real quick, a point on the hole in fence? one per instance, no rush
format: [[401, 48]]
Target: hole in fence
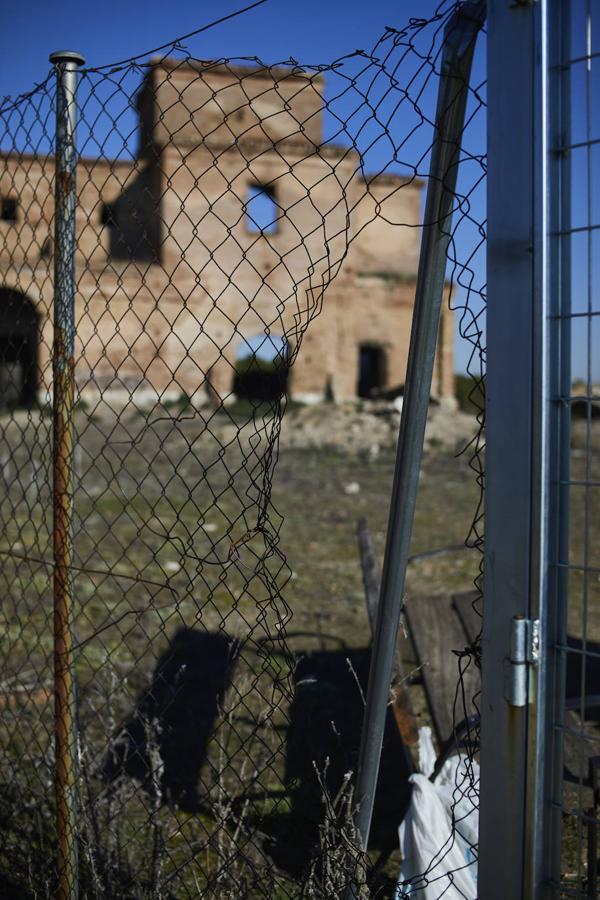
[[371, 369], [18, 350], [261, 368], [261, 210]]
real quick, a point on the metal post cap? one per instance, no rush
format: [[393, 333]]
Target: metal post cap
[[67, 56]]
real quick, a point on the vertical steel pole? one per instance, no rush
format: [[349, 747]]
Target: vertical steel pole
[[459, 44], [63, 373], [551, 443]]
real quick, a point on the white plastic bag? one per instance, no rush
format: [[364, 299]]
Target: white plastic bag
[[438, 860]]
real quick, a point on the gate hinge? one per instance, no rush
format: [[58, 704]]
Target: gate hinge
[[525, 640]]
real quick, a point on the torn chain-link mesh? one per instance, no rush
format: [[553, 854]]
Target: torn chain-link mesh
[[220, 206]]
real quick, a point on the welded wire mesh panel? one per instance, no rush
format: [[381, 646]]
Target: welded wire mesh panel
[[228, 215], [576, 794]]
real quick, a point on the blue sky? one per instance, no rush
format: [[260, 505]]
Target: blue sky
[[312, 32]]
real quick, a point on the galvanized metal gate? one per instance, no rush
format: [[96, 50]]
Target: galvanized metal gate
[[539, 812]]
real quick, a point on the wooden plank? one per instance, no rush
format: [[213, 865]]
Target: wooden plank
[[470, 617], [370, 571], [400, 699], [436, 632]]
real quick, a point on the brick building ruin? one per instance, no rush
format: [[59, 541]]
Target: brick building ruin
[[222, 232]]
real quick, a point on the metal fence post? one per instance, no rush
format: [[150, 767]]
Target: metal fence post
[[521, 457], [63, 375], [459, 43]]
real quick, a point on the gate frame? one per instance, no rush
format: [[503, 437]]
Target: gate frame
[[527, 438]]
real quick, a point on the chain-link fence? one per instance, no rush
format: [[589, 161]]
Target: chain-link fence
[[229, 219]]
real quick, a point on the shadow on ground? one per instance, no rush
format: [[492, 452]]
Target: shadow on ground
[[176, 715], [177, 712], [323, 742]]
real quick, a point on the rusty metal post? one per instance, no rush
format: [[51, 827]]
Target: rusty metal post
[[63, 375]]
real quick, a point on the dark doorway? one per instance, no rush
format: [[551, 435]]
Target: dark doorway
[[18, 350], [371, 369]]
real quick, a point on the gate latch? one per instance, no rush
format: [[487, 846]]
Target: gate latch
[[525, 640]]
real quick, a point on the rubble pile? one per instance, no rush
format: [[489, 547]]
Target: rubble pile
[[369, 426]]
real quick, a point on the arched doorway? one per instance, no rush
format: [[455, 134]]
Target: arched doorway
[[261, 368], [18, 350], [371, 369]]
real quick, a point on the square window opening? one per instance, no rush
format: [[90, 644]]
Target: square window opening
[[106, 214], [8, 209], [261, 210]]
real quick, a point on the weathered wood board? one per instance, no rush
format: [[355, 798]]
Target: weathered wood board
[[437, 631], [401, 705], [470, 617]]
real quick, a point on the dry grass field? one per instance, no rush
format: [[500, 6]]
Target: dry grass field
[[195, 717], [176, 572]]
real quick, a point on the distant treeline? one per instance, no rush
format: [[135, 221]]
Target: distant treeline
[[471, 398], [470, 394], [260, 379]]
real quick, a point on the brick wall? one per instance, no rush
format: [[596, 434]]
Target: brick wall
[[174, 317]]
